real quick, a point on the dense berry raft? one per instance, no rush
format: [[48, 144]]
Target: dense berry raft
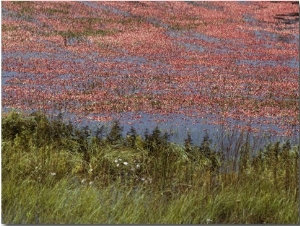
[[180, 63]]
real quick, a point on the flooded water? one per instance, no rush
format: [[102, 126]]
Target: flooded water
[[158, 71]]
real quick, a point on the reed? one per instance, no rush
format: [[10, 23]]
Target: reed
[[67, 175]]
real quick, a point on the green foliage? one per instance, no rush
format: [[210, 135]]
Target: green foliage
[[11, 125], [131, 137], [205, 146], [100, 132], [55, 173], [188, 143], [156, 141], [115, 134]]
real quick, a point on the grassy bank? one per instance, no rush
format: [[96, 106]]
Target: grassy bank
[[53, 172]]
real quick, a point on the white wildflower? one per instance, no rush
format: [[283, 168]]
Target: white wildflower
[[116, 160], [125, 163], [83, 180], [118, 165], [138, 166], [208, 221], [52, 174]]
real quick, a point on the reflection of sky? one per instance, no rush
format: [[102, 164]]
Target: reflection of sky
[[274, 37], [178, 126], [6, 75], [260, 63], [104, 7]]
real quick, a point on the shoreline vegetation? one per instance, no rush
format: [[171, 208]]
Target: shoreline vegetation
[[54, 172]]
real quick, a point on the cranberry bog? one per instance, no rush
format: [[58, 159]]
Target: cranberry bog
[[184, 66]]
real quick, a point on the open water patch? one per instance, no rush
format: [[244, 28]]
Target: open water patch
[[94, 5], [179, 125], [261, 63], [6, 76], [275, 37]]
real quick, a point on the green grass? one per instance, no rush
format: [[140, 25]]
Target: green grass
[[53, 172]]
